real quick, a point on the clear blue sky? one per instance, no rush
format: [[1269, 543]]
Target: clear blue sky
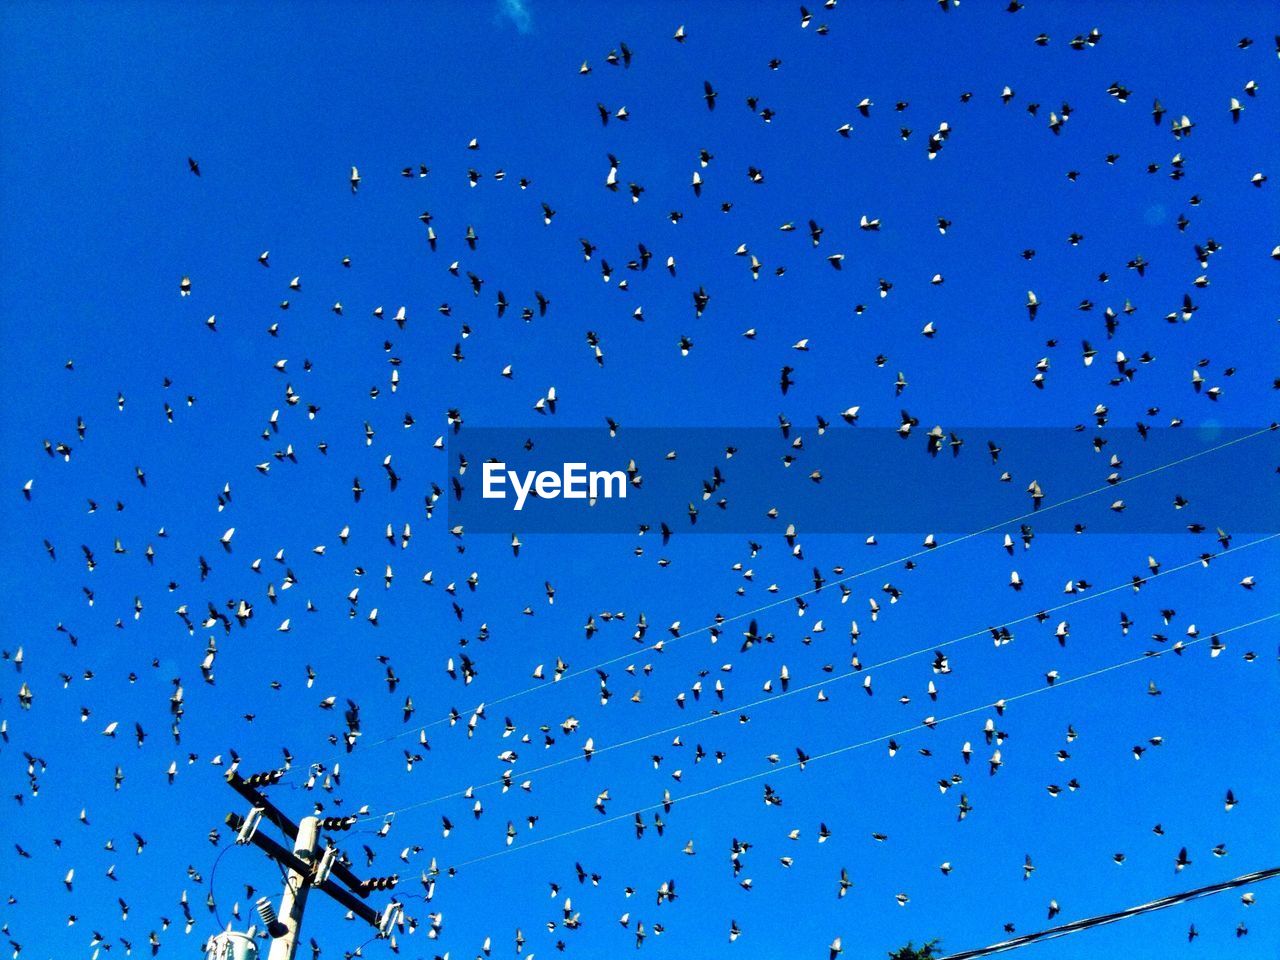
[[101, 219]]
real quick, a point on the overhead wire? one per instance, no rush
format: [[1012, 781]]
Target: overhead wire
[[721, 620], [1076, 926], [929, 723], [826, 681]]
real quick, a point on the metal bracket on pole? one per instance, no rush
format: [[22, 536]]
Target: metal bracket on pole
[[390, 917], [325, 865], [250, 826]]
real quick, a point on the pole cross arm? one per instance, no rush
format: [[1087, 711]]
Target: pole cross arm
[[274, 815], [286, 857]]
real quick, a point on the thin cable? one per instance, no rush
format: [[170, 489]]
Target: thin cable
[[1035, 512], [929, 724], [826, 681], [1053, 933], [356, 951], [213, 872]]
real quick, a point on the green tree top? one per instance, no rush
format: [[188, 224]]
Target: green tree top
[[911, 952]]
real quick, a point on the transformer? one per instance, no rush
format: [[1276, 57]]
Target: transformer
[[231, 946]]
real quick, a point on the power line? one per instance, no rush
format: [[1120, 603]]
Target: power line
[[213, 873], [826, 681], [720, 621], [927, 724], [1052, 933]]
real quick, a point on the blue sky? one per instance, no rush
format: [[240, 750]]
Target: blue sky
[[102, 106]]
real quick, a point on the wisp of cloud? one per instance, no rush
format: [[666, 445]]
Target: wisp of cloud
[[517, 11]]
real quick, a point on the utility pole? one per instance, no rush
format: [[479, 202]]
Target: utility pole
[[292, 902], [308, 864]]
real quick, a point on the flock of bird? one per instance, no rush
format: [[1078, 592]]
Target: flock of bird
[[510, 736]]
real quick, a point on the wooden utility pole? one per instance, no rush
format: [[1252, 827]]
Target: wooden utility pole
[[308, 863], [292, 902]]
